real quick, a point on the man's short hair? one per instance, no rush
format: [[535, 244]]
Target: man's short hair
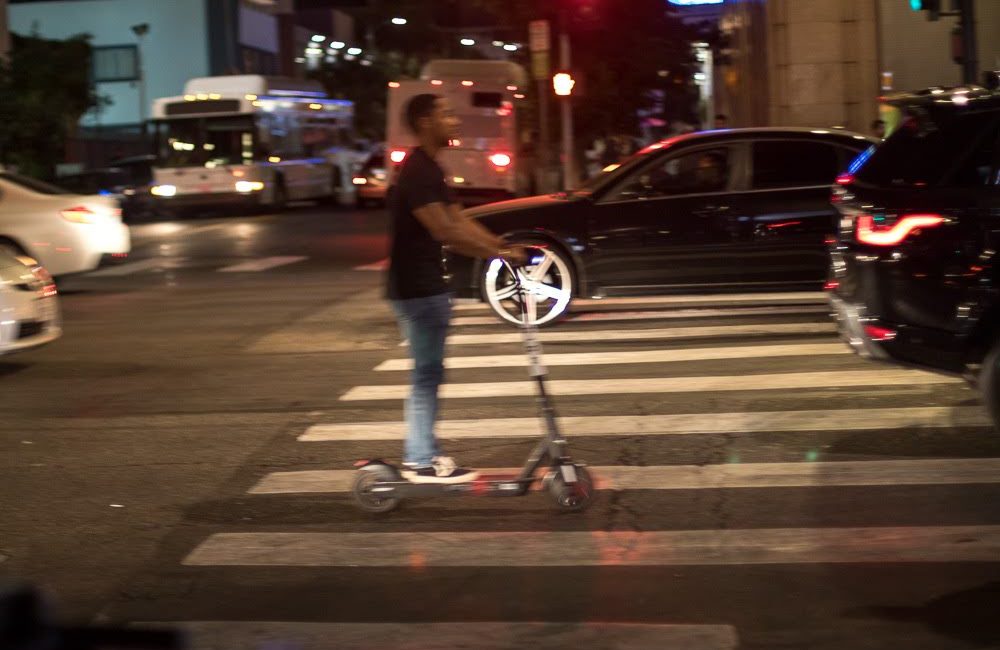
[[419, 107]]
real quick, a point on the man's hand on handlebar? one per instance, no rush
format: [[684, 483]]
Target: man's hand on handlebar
[[515, 254]]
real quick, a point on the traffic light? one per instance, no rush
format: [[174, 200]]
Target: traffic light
[[932, 7], [562, 83]]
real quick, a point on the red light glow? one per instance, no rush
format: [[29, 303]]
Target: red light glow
[[868, 232], [500, 160], [397, 156], [876, 333]]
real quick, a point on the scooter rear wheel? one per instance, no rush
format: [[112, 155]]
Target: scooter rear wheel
[[576, 496], [364, 494]]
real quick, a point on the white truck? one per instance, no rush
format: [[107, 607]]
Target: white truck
[[483, 163]]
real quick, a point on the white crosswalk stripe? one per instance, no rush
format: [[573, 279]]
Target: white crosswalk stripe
[[603, 548], [561, 335], [663, 314], [782, 381], [926, 417], [138, 266], [582, 304], [242, 635], [262, 264], [952, 471], [633, 356]]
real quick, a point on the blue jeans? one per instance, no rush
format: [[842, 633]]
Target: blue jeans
[[424, 322]]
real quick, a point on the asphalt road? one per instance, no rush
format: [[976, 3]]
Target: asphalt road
[[181, 455]]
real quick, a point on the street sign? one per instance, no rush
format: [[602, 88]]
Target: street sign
[[540, 65], [538, 35]]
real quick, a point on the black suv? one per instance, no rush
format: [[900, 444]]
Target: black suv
[[914, 273]]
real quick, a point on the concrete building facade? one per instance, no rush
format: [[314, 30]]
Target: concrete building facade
[[825, 64]]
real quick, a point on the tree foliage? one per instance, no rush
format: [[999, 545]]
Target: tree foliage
[[45, 87]]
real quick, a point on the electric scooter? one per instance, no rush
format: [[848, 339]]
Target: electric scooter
[[379, 486]]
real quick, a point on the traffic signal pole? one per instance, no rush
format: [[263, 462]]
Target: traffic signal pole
[[970, 55], [569, 163]]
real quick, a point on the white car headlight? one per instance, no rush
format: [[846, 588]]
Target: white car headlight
[[245, 187], [163, 190]]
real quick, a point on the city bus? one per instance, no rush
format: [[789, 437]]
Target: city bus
[[251, 139], [484, 162]]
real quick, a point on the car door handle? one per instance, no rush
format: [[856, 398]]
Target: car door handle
[[710, 210]]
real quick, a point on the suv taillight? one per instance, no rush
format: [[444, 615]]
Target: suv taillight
[[876, 234]]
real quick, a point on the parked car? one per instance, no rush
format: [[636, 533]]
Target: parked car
[[914, 274], [66, 233], [29, 307], [371, 181], [710, 211], [128, 180]]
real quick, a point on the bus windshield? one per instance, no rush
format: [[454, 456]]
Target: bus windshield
[[205, 142]]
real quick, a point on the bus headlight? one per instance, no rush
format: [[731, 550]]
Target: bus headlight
[[245, 187], [163, 190]]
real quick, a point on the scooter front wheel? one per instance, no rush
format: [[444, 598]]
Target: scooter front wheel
[[575, 496], [364, 487]]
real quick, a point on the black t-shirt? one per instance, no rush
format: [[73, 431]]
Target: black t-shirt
[[415, 269]]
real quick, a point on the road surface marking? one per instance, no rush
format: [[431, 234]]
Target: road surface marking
[[487, 635], [780, 381], [659, 314], [909, 544], [581, 304], [634, 356], [262, 264], [924, 417], [561, 334], [951, 471], [128, 268]]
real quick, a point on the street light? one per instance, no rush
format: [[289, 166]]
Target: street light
[[354, 51], [467, 41], [398, 21]]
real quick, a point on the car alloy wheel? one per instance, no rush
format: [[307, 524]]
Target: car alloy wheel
[[547, 281]]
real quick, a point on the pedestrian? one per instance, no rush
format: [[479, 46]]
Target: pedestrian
[[425, 217], [878, 129]]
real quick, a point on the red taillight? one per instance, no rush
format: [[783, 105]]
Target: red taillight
[[397, 156], [500, 160], [876, 333], [79, 214], [845, 179], [831, 285], [869, 232]]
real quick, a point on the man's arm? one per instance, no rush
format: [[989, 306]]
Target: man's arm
[[449, 226]]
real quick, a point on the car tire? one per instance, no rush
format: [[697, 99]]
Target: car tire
[[989, 384], [497, 287]]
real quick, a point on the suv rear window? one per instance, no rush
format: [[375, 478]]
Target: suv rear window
[[925, 148]]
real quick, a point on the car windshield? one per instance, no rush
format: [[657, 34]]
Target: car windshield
[[610, 174], [227, 140], [32, 184]]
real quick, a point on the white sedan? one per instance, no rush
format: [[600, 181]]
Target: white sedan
[[66, 233], [29, 308]]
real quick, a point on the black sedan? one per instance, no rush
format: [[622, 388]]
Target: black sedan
[[711, 211]]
